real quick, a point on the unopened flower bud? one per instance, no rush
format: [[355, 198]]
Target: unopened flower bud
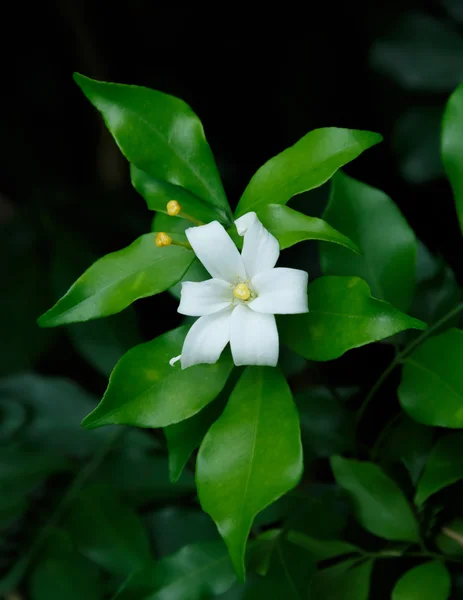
[[173, 208], [162, 239]]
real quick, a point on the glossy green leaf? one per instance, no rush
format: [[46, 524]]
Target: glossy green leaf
[[370, 218], [450, 539], [159, 134], [379, 504], [194, 572], [246, 462], [443, 467], [342, 315], [431, 390], [107, 531], [421, 53], [62, 573], [291, 226], [157, 193], [321, 549], [118, 279], [452, 146], [164, 222], [306, 165], [349, 580], [430, 581], [144, 390]]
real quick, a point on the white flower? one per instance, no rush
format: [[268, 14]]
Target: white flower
[[239, 303]]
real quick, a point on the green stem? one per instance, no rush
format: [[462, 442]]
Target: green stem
[[398, 358]]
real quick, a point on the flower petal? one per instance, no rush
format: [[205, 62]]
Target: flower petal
[[260, 248], [215, 249], [281, 291], [253, 337], [206, 339], [204, 297]]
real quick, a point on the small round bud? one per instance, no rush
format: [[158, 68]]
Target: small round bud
[[242, 292], [173, 208], [162, 239]]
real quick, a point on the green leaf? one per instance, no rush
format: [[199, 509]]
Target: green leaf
[[430, 581], [370, 218], [321, 549], [379, 504], [118, 279], [61, 573], [452, 146], [349, 580], [431, 390], [443, 467], [420, 53], [164, 222], [246, 462], [195, 572], [144, 390], [157, 193], [450, 539], [305, 166], [159, 134], [290, 227], [107, 531], [342, 315]]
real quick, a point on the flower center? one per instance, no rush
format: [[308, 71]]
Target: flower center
[[242, 292]]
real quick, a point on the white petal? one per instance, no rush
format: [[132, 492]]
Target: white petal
[[215, 249], [174, 359], [280, 291], [206, 339], [204, 297], [260, 248], [253, 338]]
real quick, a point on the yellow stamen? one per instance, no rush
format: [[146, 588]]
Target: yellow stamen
[[242, 292], [173, 208], [162, 239]]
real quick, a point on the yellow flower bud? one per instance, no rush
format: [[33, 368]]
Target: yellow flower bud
[[173, 208], [162, 239]]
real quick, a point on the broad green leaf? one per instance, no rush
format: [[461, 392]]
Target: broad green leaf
[[164, 222], [430, 581], [62, 573], [305, 166], [349, 580], [321, 549], [184, 437], [370, 218], [443, 467], [118, 279], [290, 227], [431, 390], [250, 456], [144, 390], [159, 134], [342, 315], [157, 193], [195, 572], [107, 531], [421, 53], [379, 504], [450, 539], [452, 146]]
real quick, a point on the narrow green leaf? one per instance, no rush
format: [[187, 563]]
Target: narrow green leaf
[[452, 146], [342, 315], [443, 467], [306, 165], [349, 580], [291, 226], [195, 572], [450, 539], [379, 504], [107, 531], [246, 462], [159, 134], [145, 391], [118, 279], [157, 193], [321, 549], [431, 390], [370, 218], [430, 581]]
